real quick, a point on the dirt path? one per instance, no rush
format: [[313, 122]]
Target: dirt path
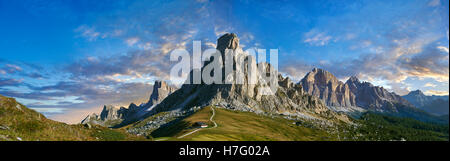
[[161, 139], [210, 119], [182, 136]]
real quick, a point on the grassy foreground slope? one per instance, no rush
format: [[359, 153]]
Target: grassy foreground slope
[[247, 126], [243, 126], [18, 122]]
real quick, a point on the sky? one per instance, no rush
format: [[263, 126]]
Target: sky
[[67, 58]]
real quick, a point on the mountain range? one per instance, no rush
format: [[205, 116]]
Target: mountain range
[[319, 95], [437, 105], [111, 115], [318, 107], [352, 93]]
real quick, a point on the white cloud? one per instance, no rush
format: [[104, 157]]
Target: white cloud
[[219, 31], [430, 85], [145, 46], [316, 38], [88, 32], [132, 41], [168, 47], [443, 48], [435, 92], [91, 59], [210, 44]]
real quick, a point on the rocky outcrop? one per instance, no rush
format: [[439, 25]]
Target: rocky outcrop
[[110, 112], [328, 88], [373, 97], [352, 93], [91, 119], [160, 91], [112, 116], [109, 116]]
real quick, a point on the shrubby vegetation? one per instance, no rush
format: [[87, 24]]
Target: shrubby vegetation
[[374, 126]]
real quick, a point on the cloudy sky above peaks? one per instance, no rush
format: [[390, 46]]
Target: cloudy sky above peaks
[[68, 58]]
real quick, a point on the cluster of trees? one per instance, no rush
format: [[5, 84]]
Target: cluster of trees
[[375, 126]]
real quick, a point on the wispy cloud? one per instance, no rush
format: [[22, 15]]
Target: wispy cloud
[[132, 41], [435, 92], [10, 82], [11, 68], [316, 38], [88, 32], [430, 85], [443, 48]]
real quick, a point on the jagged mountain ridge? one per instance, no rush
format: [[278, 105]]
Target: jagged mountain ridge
[[417, 98], [437, 105], [373, 97], [111, 116], [328, 88], [367, 97]]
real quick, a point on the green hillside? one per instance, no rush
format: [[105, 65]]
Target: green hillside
[[234, 126], [18, 122], [247, 126]]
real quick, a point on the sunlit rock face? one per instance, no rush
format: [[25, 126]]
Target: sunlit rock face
[[374, 97], [352, 93], [109, 116], [160, 91], [328, 88]]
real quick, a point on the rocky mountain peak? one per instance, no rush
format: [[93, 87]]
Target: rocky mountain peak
[[374, 97], [353, 79], [437, 105], [110, 112], [160, 91], [227, 41], [416, 93], [333, 92], [328, 88], [417, 98], [111, 115], [133, 107], [320, 76], [160, 84]]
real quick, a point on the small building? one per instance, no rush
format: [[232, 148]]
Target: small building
[[200, 124], [298, 123]]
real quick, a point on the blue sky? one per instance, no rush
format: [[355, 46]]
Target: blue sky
[[67, 58]]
